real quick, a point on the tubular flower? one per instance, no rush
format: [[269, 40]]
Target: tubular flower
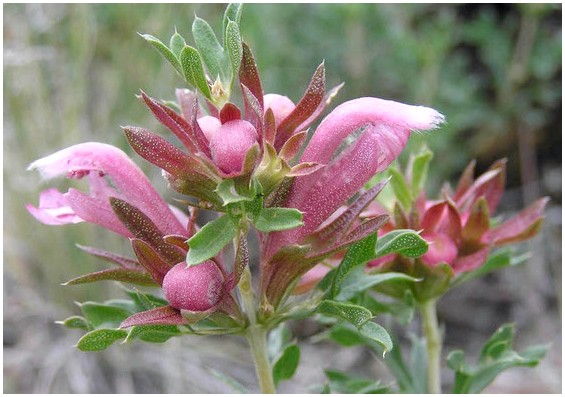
[[379, 129], [459, 227]]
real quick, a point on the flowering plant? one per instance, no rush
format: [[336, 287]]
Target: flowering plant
[[310, 202]]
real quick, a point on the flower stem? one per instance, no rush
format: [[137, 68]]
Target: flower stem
[[433, 345], [257, 338], [256, 335]]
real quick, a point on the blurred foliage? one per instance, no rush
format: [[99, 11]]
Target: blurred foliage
[[71, 73]]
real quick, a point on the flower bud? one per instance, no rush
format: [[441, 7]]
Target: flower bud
[[194, 288], [231, 143], [209, 126], [281, 106]]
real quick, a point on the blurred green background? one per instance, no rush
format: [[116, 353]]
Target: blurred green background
[[71, 73]]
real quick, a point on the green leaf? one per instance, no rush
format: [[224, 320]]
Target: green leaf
[[211, 50], [103, 316], [165, 51], [405, 242], [419, 168], [232, 13], [193, 70], [210, 240], [496, 356], [400, 188], [346, 336], [75, 322], [285, 366], [376, 333], [276, 219], [144, 301], [228, 192], [358, 254], [356, 315], [342, 383], [359, 281], [100, 339], [234, 48], [176, 44]]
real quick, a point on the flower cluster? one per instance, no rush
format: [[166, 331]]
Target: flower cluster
[[228, 157], [459, 226]]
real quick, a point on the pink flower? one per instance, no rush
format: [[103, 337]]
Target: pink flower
[[379, 129], [110, 173], [459, 229]]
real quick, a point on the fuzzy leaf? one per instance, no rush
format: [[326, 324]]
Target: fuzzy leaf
[[249, 75], [359, 281], [156, 266], [100, 339], [152, 333], [211, 50], [304, 108], [285, 366], [132, 276], [358, 254], [210, 240], [144, 229], [356, 315], [110, 256], [234, 48], [191, 63], [164, 315], [176, 44], [378, 334], [101, 315], [232, 13], [404, 242], [75, 322], [165, 51], [276, 219]]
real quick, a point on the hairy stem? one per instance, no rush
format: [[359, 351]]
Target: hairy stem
[[433, 345], [256, 335]]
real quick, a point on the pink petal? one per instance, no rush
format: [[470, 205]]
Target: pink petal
[[100, 160], [96, 210], [53, 209], [396, 121]]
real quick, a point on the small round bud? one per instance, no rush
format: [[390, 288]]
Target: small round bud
[[231, 143], [281, 106], [194, 288]]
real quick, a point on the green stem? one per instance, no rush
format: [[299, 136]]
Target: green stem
[[257, 338], [433, 345], [256, 335]]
